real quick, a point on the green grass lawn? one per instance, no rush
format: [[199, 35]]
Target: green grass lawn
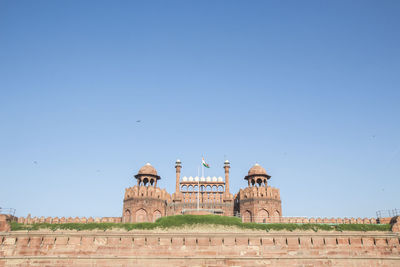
[[192, 220]]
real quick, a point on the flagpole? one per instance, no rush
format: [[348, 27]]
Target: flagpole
[[198, 187], [202, 170]]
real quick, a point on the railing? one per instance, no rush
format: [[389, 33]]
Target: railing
[[387, 213], [8, 211]]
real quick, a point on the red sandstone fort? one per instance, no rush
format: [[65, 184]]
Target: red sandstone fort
[[145, 202]]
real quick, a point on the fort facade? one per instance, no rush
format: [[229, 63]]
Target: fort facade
[[146, 202]]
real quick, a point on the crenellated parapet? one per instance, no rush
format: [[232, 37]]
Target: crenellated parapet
[[260, 192], [305, 220], [62, 220], [146, 192]]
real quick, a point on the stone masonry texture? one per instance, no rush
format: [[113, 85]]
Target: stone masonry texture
[[146, 202], [45, 248]]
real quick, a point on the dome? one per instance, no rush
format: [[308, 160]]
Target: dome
[[220, 179], [257, 170], [208, 179], [214, 179], [147, 169], [202, 179], [185, 178], [190, 179], [196, 178]]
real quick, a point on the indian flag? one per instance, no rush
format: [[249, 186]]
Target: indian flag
[[204, 163]]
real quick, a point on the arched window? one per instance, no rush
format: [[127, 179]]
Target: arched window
[[156, 215], [246, 217], [127, 215], [141, 215], [262, 216], [276, 213]]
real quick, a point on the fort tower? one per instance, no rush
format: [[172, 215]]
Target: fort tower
[[145, 202]]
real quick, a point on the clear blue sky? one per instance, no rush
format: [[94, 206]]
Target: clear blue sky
[[308, 89]]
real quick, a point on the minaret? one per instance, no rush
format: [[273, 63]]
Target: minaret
[[226, 167], [178, 167]]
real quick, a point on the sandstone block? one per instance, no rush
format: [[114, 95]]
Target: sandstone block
[[229, 241], [61, 240], [203, 241], [177, 241], [305, 242], [216, 241], [139, 241], [190, 241], [165, 241]]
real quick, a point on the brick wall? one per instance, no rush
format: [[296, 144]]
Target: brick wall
[[185, 249]]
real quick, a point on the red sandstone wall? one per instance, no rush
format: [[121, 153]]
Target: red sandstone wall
[[185, 249], [319, 220], [56, 220]]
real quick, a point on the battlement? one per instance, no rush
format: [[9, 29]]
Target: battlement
[[304, 220], [59, 220], [146, 192], [299, 220], [259, 192]]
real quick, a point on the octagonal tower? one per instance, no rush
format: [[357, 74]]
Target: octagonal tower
[[258, 202], [145, 202]]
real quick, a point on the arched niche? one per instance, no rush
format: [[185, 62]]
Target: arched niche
[[262, 216], [156, 215], [127, 215], [141, 215], [247, 216], [276, 213]]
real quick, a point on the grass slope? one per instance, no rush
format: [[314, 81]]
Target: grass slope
[[178, 221]]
